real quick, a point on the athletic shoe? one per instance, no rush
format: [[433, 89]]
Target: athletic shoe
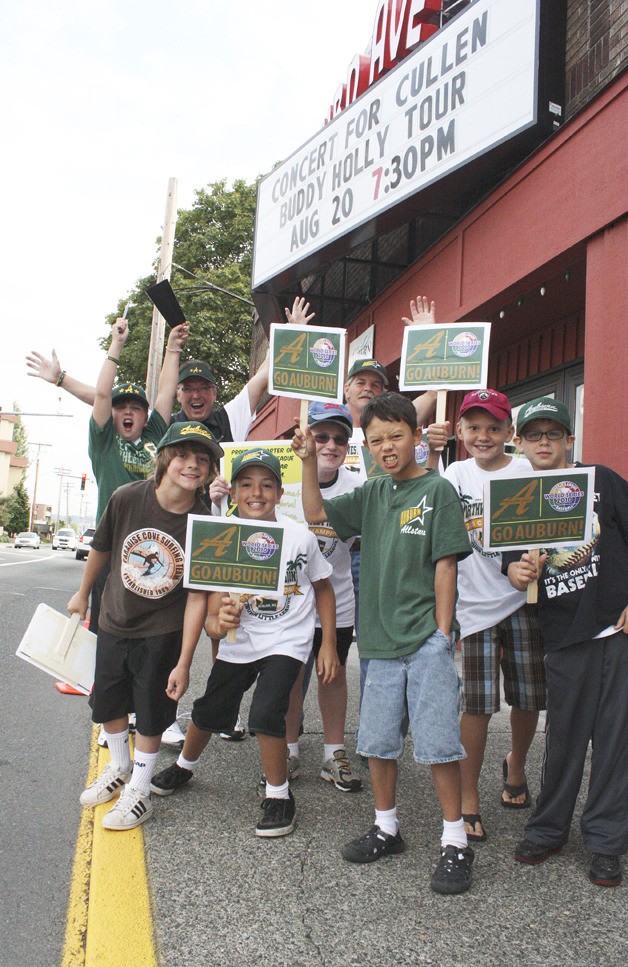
[[105, 787], [293, 772], [372, 846], [277, 817], [453, 873], [132, 809], [605, 870], [169, 780], [132, 723], [534, 853], [238, 733], [173, 736], [338, 771]]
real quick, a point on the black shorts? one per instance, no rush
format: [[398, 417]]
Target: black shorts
[[217, 710], [344, 637], [131, 676]]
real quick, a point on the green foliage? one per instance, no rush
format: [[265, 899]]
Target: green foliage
[[19, 434], [214, 242], [15, 510]]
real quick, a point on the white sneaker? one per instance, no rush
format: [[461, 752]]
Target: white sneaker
[[105, 787], [131, 810], [174, 736]]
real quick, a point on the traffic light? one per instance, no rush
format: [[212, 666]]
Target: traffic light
[[83, 479]]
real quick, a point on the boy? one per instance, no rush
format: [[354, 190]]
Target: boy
[[413, 534], [332, 426], [583, 594], [140, 663], [274, 636], [497, 627]]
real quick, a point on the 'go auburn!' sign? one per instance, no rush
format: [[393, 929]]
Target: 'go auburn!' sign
[[227, 554]]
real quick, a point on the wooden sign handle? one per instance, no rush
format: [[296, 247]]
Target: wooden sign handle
[[533, 586], [231, 634], [441, 410], [303, 414]]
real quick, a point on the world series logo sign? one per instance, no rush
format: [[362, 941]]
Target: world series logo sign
[[451, 357], [227, 554], [307, 362], [546, 509]]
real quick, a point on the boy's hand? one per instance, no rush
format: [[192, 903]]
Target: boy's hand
[[525, 571], [298, 316], [178, 681], [327, 664], [438, 435], [119, 335], [78, 604], [303, 443], [622, 622], [177, 337], [217, 489], [48, 369], [423, 312], [229, 615]]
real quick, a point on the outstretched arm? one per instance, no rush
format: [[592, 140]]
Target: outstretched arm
[[107, 376], [50, 371], [311, 496], [256, 386], [169, 376], [423, 313]]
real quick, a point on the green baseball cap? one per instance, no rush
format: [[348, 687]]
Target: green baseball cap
[[191, 432], [256, 458], [544, 408], [197, 368], [369, 366], [129, 391]]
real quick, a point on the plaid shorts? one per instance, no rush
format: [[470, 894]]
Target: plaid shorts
[[515, 644]]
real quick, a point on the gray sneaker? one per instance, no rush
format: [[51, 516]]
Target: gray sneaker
[[338, 770], [294, 769], [108, 784], [132, 809]]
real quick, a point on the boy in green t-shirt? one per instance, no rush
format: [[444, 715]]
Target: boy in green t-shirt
[[413, 534]]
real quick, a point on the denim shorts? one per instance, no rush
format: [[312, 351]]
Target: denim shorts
[[421, 690]]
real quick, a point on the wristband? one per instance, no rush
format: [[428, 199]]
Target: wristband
[[176, 351], [60, 378], [114, 360]]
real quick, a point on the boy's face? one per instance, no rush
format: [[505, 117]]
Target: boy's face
[[360, 389], [190, 468], [392, 447], [332, 443], [129, 419], [196, 397], [257, 492], [545, 454], [484, 437]]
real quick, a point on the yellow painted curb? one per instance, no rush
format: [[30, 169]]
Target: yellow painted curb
[[109, 909]]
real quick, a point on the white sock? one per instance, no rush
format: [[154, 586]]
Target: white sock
[[277, 792], [189, 764], [143, 770], [454, 834], [118, 743], [330, 748], [293, 749], [387, 821]]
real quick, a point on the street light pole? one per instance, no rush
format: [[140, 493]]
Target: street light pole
[[34, 504]]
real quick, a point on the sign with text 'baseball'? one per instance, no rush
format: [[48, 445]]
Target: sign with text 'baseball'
[[445, 357], [468, 88], [544, 509], [307, 362], [227, 554]]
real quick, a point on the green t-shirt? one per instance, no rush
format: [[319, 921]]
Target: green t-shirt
[[406, 528], [116, 462]]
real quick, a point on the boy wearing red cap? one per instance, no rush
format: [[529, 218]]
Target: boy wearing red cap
[[497, 627]]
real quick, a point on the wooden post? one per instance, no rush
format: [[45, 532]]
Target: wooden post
[[533, 586], [441, 409], [156, 351], [303, 414]]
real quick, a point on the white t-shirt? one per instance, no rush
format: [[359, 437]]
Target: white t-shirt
[[337, 552], [282, 624], [485, 595], [240, 416], [354, 456]]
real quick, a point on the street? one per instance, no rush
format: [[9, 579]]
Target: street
[[223, 898]]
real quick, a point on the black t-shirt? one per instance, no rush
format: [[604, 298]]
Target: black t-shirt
[[217, 423], [584, 589]]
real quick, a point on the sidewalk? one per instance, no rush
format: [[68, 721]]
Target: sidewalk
[[224, 898]]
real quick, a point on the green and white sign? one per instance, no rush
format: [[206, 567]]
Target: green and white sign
[[445, 357], [227, 554], [543, 509], [307, 362]]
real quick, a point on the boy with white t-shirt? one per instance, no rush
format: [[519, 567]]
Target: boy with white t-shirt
[[273, 640], [497, 627]]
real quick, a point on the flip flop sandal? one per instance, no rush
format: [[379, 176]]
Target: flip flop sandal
[[472, 819], [514, 791]]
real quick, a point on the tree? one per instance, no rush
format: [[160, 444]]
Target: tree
[[214, 242], [19, 434], [15, 510]]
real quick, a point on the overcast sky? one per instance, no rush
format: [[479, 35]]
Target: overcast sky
[[102, 104]]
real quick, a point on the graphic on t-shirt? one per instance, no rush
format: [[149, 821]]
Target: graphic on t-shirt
[[151, 563], [414, 516], [327, 538], [473, 513], [569, 568], [268, 609], [137, 461]]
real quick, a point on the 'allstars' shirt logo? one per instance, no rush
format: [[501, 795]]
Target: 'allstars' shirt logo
[[411, 520], [151, 563]]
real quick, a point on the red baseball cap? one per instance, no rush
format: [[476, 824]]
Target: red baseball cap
[[487, 399]]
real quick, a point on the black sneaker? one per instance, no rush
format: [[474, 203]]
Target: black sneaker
[[534, 853], [277, 817], [605, 870], [372, 846], [453, 873], [170, 779]]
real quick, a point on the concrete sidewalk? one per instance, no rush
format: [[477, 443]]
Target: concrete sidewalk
[[224, 898]]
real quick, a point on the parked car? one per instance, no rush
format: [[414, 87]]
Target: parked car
[[27, 539], [84, 542], [65, 539]]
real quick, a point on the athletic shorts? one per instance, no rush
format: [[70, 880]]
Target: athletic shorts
[[131, 676], [344, 637], [515, 644], [217, 710]]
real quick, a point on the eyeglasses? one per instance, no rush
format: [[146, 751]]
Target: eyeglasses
[[340, 440], [533, 436]]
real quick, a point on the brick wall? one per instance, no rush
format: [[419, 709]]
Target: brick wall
[[596, 48]]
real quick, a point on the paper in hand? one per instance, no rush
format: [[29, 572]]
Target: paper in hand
[[162, 295]]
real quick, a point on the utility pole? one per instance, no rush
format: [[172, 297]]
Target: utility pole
[[34, 504], [62, 472], [155, 353]]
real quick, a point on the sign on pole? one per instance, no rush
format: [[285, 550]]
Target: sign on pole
[[307, 362], [450, 357], [232, 555]]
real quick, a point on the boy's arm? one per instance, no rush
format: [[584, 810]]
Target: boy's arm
[[312, 498], [523, 572], [107, 376], [327, 665], [437, 439], [79, 602], [423, 313], [169, 375], [445, 593], [256, 386], [50, 371], [223, 614], [195, 611]]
